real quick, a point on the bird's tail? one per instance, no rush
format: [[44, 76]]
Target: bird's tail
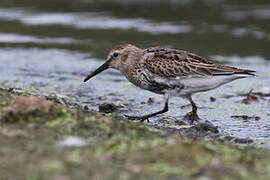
[[246, 72], [227, 70]]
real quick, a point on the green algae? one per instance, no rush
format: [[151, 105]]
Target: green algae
[[38, 90], [5, 98], [115, 149], [60, 116]]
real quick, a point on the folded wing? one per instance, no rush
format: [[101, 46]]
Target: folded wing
[[173, 63]]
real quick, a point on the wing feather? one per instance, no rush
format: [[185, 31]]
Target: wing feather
[[174, 63]]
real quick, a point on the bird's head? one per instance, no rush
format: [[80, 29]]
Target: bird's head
[[120, 57]]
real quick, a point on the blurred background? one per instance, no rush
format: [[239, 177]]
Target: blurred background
[[209, 27], [51, 45]]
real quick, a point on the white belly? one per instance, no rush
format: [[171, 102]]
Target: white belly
[[198, 84]]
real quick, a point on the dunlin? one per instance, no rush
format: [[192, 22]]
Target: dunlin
[[169, 72]]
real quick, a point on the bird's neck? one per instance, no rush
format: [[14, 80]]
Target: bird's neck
[[132, 59]]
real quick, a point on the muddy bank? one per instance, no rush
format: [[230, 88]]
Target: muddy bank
[[199, 130], [42, 139]]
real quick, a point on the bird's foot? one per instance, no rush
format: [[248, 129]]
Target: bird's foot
[[141, 118], [191, 117]]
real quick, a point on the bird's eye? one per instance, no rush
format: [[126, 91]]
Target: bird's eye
[[115, 54]]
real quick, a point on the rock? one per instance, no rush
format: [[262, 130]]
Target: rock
[[85, 107], [231, 139], [199, 130], [212, 99], [107, 108], [206, 127], [246, 117], [150, 101], [58, 98], [27, 105]]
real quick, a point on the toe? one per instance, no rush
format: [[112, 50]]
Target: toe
[[191, 117], [132, 117], [144, 118]]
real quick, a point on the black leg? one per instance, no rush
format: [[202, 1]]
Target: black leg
[[194, 107], [145, 117], [192, 116]]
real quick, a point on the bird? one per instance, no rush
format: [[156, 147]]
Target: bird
[[169, 72]]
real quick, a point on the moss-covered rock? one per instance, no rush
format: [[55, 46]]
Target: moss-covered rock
[[113, 148], [34, 110]]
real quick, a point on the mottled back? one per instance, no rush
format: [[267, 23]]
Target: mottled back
[[174, 63]]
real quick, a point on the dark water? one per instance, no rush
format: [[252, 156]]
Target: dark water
[[53, 44]]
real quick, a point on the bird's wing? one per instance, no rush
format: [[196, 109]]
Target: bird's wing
[[174, 63]]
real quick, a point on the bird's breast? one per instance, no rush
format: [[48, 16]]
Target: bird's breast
[[139, 79], [145, 80]]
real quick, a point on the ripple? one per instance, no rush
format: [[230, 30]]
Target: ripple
[[247, 60], [93, 21], [240, 31], [18, 38], [236, 13]]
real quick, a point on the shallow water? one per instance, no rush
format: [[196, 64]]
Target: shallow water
[[53, 45]]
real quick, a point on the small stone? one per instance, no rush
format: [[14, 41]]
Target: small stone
[[102, 98], [107, 108], [243, 141], [28, 105], [207, 127], [180, 123], [72, 141], [150, 101], [204, 178], [212, 99], [85, 107], [33, 125], [257, 118], [246, 117]]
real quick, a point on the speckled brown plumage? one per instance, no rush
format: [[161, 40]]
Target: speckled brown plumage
[[172, 63], [170, 72]]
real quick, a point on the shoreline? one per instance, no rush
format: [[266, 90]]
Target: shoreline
[[42, 139]]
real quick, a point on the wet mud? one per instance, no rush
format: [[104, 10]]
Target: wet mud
[[199, 130]]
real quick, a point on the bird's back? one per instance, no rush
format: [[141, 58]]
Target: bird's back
[[172, 63], [187, 72]]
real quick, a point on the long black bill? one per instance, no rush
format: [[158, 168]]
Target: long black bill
[[98, 70]]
